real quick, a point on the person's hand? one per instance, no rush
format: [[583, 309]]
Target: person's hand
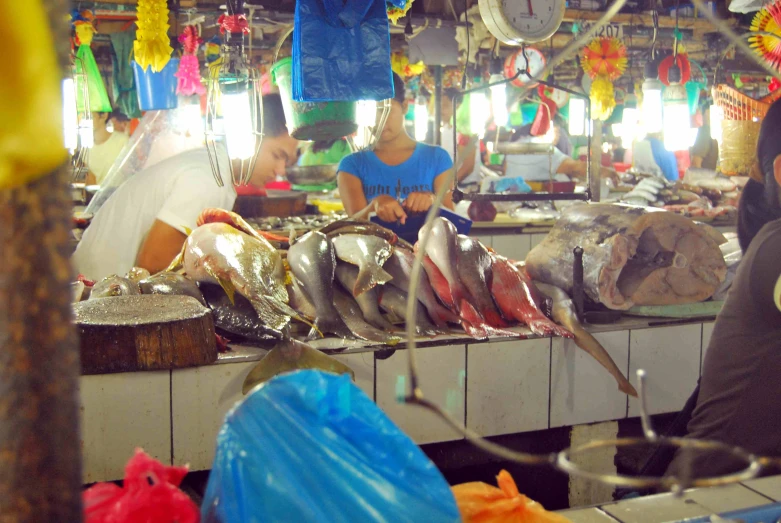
[[419, 201], [612, 176], [389, 209]]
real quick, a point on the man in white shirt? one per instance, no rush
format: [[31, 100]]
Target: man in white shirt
[[108, 145], [143, 223]]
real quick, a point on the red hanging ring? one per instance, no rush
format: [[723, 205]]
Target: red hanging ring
[[233, 24], [683, 63]]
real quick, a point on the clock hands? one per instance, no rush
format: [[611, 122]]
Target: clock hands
[[531, 11]]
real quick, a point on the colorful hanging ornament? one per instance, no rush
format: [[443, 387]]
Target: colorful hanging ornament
[[189, 73], [603, 99], [774, 85], [682, 61], [152, 46], [768, 20], [394, 13], [604, 56], [603, 60], [85, 67], [401, 65]]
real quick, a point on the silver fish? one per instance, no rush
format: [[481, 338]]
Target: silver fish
[[299, 300], [114, 285], [347, 275], [171, 283], [312, 261], [219, 253], [369, 253], [137, 274], [474, 270], [399, 266], [395, 301], [351, 313], [442, 249]]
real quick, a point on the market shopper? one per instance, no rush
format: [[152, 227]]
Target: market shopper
[[110, 136], [399, 176], [738, 400], [144, 222]]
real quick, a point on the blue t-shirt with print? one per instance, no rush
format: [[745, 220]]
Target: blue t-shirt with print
[[415, 175]]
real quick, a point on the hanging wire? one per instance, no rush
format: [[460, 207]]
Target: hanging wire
[[563, 461]]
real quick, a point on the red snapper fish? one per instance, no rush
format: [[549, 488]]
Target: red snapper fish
[[518, 299]]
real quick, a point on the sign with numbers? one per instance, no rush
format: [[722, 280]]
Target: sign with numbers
[[609, 30]]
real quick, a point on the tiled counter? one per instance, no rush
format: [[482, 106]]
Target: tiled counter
[[497, 387]]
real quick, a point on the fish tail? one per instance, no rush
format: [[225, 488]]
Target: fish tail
[[369, 277], [290, 355], [286, 310], [334, 325]]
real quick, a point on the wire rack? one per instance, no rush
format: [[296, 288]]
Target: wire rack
[[565, 461]]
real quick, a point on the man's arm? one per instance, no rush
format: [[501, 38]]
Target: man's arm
[[469, 162], [160, 246], [447, 201]]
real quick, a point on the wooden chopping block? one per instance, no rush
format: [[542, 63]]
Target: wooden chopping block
[[146, 332]]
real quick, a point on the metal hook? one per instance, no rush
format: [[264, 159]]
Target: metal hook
[[645, 419]]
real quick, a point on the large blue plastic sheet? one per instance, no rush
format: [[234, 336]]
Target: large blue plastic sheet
[[341, 51], [311, 446]]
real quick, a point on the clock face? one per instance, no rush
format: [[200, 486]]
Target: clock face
[[515, 22], [534, 20]]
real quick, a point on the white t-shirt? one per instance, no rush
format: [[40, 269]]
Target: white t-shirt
[[448, 145], [102, 156], [535, 167], [174, 191]]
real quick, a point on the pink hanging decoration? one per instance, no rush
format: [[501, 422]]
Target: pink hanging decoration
[[189, 73]]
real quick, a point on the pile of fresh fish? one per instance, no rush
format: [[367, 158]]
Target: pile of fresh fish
[[351, 280], [705, 197], [306, 222]]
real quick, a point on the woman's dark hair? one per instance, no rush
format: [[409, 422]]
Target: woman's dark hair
[[399, 90], [273, 115], [759, 203]]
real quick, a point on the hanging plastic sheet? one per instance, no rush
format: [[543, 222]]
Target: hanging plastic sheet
[[159, 135], [123, 81], [310, 446], [341, 50]]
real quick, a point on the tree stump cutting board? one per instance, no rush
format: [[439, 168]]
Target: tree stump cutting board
[[146, 332]]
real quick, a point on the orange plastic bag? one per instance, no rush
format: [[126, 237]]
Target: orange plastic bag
[[482, 503]]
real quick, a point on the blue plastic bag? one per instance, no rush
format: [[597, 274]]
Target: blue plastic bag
[[310, 446], [341, 51]]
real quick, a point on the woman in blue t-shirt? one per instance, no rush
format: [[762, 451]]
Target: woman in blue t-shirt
[[400, 175]]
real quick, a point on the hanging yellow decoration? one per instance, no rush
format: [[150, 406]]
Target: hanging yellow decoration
[[31, 142], [603, 99], [401, 65], [604, 56], [152, 46], [394, 13]]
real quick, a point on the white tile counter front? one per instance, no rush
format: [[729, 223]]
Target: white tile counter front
[[501, 387]]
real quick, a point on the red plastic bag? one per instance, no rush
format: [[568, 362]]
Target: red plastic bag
[[482, 503], [149, 493]]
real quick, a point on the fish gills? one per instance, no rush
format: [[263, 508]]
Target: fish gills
[[564, 313], [288, 356], [312, 261], [517, 298], [400, 267], [368, 301], [369, 253]]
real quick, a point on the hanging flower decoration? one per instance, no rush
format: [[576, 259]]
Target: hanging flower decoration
[[401, 65], [603, 60], [602, 98], [768, 20], [394, 12], [189, 73], [86, 68], [604, 57], [152, 46]]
